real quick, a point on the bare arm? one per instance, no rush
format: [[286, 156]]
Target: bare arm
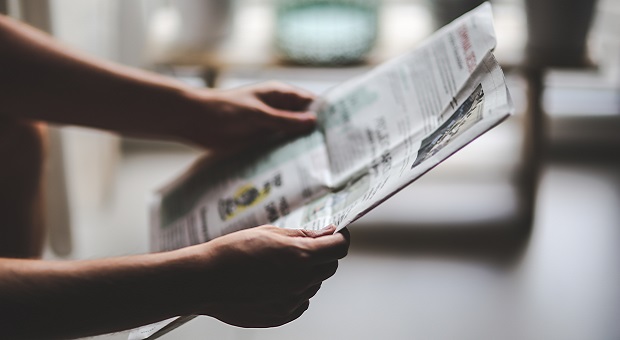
[[54, 299], [259, 277], [43, 80]]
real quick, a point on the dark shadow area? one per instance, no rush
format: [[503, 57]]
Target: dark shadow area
[[500, 244], [591, 153]]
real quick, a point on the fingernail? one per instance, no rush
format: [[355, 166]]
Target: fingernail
[[308, 115]]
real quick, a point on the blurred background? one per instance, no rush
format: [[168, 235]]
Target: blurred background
[[515, 237]]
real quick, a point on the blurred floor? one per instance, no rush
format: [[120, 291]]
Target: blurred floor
[[561, 283]]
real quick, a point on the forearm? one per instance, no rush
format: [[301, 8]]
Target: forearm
[[45, 299], [259, 277], [41, 80]]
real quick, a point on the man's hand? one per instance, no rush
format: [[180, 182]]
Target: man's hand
[[80, 90], [265, 276], [247, 116], [258, 277]]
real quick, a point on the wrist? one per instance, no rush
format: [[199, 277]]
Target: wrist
[[171, 109], [190, 270], [190, 119]]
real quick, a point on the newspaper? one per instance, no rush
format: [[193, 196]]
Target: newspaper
[[376, 134]]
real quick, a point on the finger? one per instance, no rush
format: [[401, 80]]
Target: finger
[[327, 248], [257, 315], [298, 312], [284, 124], [322, 273], [281, 86], [309, 233], [286, 100], [280, 317], [310, 278], [347, 235], [280, 130], [284, 96], [322, 245], [311, 292], [289, 305], [281, 118]]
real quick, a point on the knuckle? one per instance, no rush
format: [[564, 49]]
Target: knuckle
[[304, 255], [293, 257], [268, 227], [274, 85], [302, 251], [343, 251]]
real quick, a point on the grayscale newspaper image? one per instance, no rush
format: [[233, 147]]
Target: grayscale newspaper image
[[376, 134]]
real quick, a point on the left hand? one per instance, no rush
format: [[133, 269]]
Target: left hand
[[248, 116], [259, 277]]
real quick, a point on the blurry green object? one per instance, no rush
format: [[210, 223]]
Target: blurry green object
[[326, 32]]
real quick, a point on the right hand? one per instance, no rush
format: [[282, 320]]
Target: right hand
[[265, 276], [246, 116]]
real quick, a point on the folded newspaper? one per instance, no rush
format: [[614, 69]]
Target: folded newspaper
[[376, 134]]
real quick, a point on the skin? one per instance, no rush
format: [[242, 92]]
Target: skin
[[260, 277], [21, 230], [43, 80]]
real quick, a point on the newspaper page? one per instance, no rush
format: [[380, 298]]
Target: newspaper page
[[376, 134]]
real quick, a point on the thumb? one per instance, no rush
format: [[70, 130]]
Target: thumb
[[289, 117], [289, 123], [329, 230]]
